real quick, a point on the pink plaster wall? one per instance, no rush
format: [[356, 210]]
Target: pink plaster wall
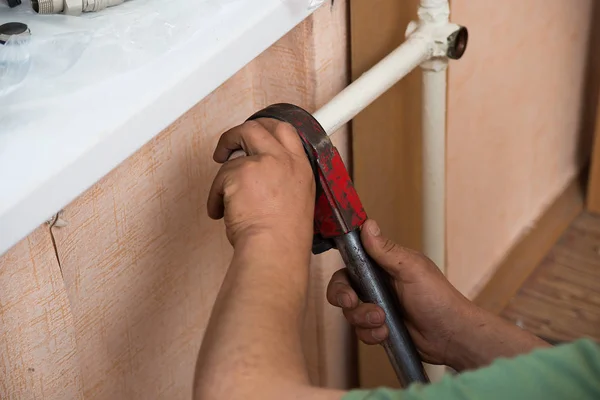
[[515, 101]]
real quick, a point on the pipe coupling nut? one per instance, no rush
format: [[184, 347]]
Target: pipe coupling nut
[[72, 7], [48, 6], [457, 43]]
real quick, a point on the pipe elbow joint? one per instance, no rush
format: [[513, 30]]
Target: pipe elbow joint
[[447, 40], [72, 7]]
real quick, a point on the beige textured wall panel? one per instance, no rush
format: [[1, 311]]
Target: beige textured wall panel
[[142, 263], [514, 124], [518, 124], [38, 357]]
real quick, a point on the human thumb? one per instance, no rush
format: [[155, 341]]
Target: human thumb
[[389, 255]]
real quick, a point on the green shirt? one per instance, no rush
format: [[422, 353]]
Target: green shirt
[[569, 371]]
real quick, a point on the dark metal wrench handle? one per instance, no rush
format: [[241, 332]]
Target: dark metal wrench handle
[[373, 285]]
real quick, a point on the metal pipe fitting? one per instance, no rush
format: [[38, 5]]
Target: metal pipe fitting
[[47, 6], [457, 43], [447, 40], [13, 30], [72, 7]]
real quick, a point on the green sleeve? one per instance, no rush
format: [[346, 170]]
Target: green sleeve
[[569, 371]]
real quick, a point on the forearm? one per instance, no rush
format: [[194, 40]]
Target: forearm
[[488, 337], [253, 340]]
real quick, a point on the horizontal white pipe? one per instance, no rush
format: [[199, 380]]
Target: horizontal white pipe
[[373, 83]]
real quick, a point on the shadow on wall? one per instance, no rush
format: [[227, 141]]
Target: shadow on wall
[[591, 92]]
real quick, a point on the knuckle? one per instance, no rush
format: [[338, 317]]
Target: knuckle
[[304, 165], [334, 288], [228, 185], [247, 169], [422, 261], [296, 146], [357, 318], [331, 298], [252, 125], [269, 158], [349, 317], [339, 276], [254, 130], [290, 133], [365, 336], [284, 128], [389, 247], [270, 161]]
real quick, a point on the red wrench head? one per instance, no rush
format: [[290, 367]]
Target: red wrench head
[[338, 209]]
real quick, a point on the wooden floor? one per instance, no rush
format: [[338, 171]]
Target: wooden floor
[[561, 300]]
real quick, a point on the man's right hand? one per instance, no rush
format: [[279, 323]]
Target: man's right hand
[[445, 326]]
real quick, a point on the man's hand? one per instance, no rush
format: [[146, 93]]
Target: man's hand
[[269, 192], [436, 311], [446, 327]]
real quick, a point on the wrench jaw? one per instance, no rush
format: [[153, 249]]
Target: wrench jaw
[[338, 209], [321, 245]]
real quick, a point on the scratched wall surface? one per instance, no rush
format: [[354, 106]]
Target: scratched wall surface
[[123, 314], [515, 137], [38, 352]]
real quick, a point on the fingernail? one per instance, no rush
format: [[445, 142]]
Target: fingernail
[[374, 317], [374, 228], [344, 301], [379, 333]]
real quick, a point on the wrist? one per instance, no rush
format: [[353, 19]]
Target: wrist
[[278, 268], [486, 337], [274, 245], [471, 323], [464, 347]]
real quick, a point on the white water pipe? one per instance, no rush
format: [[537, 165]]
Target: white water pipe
[[427, 41], [434, 166], [434, 13], [433, 128], [428, 45], [373, 83]]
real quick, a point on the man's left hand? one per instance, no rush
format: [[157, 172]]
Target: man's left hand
[[269, 192]]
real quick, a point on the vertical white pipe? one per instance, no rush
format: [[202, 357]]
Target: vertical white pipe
[[434, 13], [434, 3], [434, 173], [434, 162]]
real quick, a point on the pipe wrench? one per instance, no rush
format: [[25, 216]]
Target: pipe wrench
[[339, 215]]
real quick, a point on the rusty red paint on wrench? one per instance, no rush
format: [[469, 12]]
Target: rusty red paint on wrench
[[338, 209]]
